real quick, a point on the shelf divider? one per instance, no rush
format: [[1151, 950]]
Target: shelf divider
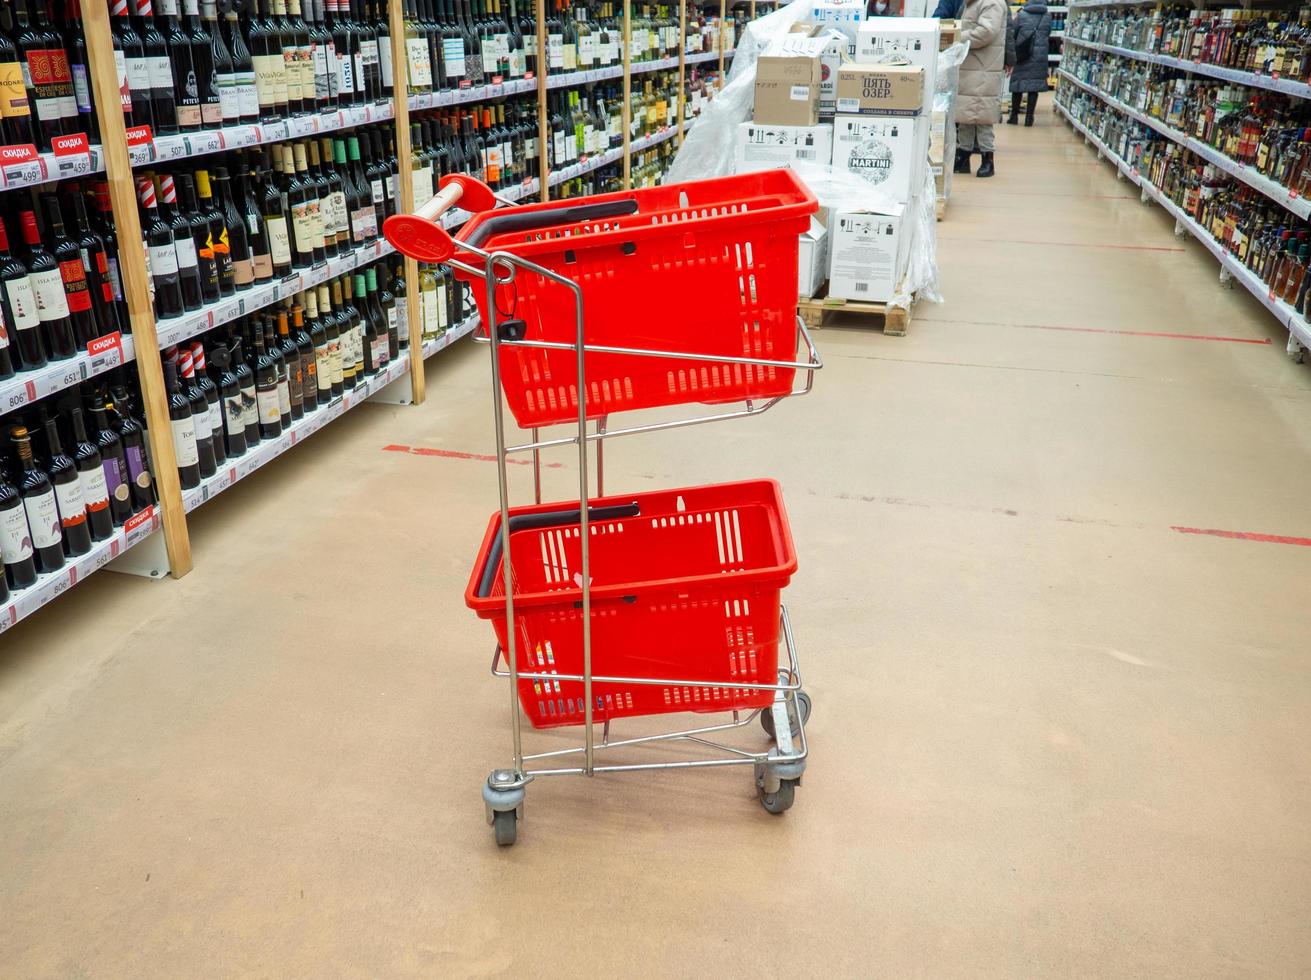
[[136, 283], [400, 90]]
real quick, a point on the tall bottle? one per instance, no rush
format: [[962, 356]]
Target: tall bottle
[[204, 64], [95, 260], [15, 110], [161, 254], [29, 349], [39, 504], [219, 240], [113, 462], [239, 249], [134, 70], [332, 338], [243, 71], [202, 424], [48, 285], [91, 475], [16, 549], [133, 435], [50, 81], [72, 274], [174, 98], [67, 485], [231, 411], [241, 367], [266, 389], [184, 429], [191, 239], [261, 257]]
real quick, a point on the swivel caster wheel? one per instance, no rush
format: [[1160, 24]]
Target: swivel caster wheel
[[781, 800], [803, 705], [505, 824]]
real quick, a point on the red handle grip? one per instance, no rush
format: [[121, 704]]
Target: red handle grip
[[419, 236]]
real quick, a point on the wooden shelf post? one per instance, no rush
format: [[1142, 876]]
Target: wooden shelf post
[[400, 87], [682, 70], [628, 95], [543, 131], [136, 282]]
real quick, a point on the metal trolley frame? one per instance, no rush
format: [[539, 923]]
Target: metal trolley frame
[[778, 769]]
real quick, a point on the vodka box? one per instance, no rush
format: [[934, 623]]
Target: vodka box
[[908, 40], [890, 152], [845, 17], [867, 255], [812, 258], [764, 146], [829, 45]]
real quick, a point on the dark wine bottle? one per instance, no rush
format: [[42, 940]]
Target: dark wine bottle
[[201, 424], [91, 474], [219, 243], [67, 485], [48, 286], [232, 412], [134, 72], [319, 341], [133, 435], [243, 267], [15, 537], [241, 367], [203, 65], [205, 382], [39, 504], [161, 254], [176, 215], [73, 274], [20, 309], [113, 461], [15, 110], [266, 388], [309, 382], [95, 261], [243, 70], [173, 102], [275, 219], [46, 71], [184, 429]]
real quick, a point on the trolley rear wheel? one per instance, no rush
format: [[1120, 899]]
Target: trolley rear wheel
[[505, 823], [803, 705], [782, 800]]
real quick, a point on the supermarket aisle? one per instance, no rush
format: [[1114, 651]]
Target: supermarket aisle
[[1053, 734]]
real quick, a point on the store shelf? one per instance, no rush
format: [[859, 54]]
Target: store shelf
[[23, 603], [180, 146], [610, 156], [30, 386], [1287, 86], [46, 168], [236, 470], [1250, 176], [1284, 313], [178, 329], [1090, 4]]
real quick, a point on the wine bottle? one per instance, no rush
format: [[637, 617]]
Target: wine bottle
[[15, 110], [63, 476], [185, 367], [205, 382], [218, 242], [332, 331], [161, 254], [91, 475], [113, 461], [275, 220], [72, 273], [95, 261], [48, 285], [45, 69], [105, 229], [325, 217], [232, 410], [197, 270], [309, 380], [266, 388], [387, 304], [203, 65], [16, 549], [243, 70], [134, 72], [174, 99], [246, 382], [184, 429], [243, 267], [402, 307], [20, 309], [291, 369], [261, 259], [133, 435], [39, 504], [319, 343]]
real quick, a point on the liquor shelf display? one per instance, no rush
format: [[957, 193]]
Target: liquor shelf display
[[254, 150]]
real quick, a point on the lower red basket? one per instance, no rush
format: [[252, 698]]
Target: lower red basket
[[685, 586]]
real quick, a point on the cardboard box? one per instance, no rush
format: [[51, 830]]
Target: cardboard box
[[812, 259], [845, 17], [764, 146], [787, 90], [867, 256], [901, 40], [949, 34], [824, 43], [880, 90], [890, 153]]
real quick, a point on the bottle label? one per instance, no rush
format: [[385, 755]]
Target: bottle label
[[160, 71], [393, 327], [555, 51], [138, 77], [305, 68], [334, 71], [402, 319], [214, 418], [51, 303], [76, 291], [22, 303], [247, 94], [184, 441], [443, 311], [72, 505], [279, 243], [345, 74], [229, 98], [249, 407], [243, 271], [163, 262], [309, 377], [322, 90], [13, 93], [336, 365], [334, 214], [262, 266], [431, 317], [369, 53], [384, 62], [267, 69], [95, 491], [234, 414], [380, 350], [378, 194], [15, 540], [284, 396], [416, 52], [136, 467], [587, 51], [52, 82], [359, 72], [323, 369], [113, 475], [43, 520], [184, 248], [291, 69]]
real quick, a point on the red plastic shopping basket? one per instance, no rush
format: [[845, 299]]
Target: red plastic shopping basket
[[684, 587], [706, 267]]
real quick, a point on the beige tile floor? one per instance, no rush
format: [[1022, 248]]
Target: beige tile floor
[[1052, 736]]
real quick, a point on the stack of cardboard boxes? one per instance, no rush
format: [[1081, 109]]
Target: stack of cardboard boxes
[[855, 93]]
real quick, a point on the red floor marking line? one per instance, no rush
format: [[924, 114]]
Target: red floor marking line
[[454, 454], [1022, 241], [1244, 535]]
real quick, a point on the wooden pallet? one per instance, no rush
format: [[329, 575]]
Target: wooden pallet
[[896, 319]]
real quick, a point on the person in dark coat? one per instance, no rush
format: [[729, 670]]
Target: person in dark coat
[[1033, 28]]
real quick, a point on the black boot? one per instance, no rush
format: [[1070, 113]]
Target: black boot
[[1028, 118], [962, 162], [1014, 119], [985, 168]]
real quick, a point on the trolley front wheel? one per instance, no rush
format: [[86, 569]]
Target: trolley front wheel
[[783, 799], [505, 823], [803, 705]]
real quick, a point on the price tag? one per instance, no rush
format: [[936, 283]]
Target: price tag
[[139, 525], [297, 125], [446, 97], [228, 311], [8, 617], [24, 174], [497, 90], [194, 498], [210, 141], [220, 482], [235, 137], [19, 395], [171, 148], [289, 284], [105, 352], [73, 166], [274, 131]]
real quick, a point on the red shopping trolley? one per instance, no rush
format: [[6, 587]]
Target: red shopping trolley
[[610, 607]]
